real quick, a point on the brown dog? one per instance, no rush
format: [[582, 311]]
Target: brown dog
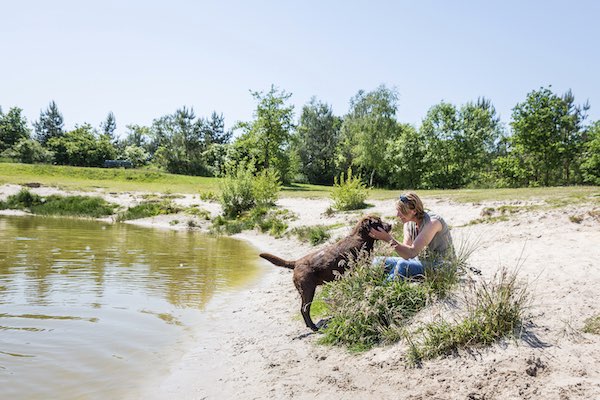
[[318, 267]]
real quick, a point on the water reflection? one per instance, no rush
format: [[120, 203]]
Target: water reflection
[[86, 307]]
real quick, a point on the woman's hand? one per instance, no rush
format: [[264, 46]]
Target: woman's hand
[[379, 234]]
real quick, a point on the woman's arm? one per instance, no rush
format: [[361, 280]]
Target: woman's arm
[[410, 250]]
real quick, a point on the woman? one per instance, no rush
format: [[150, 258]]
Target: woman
[[421, 230]]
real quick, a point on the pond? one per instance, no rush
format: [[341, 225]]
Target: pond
[[92, 310]]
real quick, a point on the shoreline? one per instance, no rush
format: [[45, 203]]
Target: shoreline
[[258, 346]]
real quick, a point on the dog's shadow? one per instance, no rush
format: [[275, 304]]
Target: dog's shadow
[[321, 324]]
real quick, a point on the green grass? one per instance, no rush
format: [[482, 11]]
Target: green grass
[[592, 325], [123, 180], [148, 209], [77, 206], [494, 310], [313, 234]]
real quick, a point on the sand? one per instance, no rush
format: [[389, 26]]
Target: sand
[[258, 347]]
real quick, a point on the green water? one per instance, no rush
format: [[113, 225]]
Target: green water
[[91, 310]]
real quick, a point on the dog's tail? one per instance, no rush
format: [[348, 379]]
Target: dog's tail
[[278, 261]]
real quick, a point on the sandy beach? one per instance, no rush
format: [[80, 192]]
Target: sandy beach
[[259, 347]]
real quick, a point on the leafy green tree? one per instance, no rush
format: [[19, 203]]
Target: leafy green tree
[[475, 140], [29, 151], [109, 126], [50, 124], [439, 130], [316, 141], [136, 154], [405, 157], [179, 143], [368, 128], [13, 128], [213, 130], [590, 165], [82, 147], [265, 141], [548, 135]]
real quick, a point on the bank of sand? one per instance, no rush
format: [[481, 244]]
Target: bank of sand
[[258, 347]]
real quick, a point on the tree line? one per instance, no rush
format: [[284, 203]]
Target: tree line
[[547, 142]]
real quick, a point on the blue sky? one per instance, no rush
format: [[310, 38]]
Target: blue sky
[[144, 59]]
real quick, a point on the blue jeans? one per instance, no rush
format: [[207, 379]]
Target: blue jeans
[[398, 267]]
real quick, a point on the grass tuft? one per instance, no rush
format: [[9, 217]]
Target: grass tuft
[[148, 209], [313, 234], [592, 325], [78, 206], [494, 310]]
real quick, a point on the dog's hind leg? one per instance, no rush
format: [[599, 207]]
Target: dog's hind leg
[[307, 293]]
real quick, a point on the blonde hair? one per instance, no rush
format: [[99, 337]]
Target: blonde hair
[[410, 201]]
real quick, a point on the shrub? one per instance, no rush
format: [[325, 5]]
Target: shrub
[[148, 209], [265, 187], [592, 325], [60, 205], [494, 310], [313, 234], [349, 193]]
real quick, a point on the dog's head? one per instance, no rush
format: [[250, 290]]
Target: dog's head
[[369, 222]]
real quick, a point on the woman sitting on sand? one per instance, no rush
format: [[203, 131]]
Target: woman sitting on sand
[[421, 230]]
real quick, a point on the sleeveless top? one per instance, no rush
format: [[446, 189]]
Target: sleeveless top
[[441, 246]]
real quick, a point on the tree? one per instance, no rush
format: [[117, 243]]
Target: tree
[[81, 147], [316, 141], [109, 126], [266, 140], [405, 157], [50, 124], [439, 130], [213, 130], [369, 126], [179, 143], [13, 128], [29, 151], [590, 165], [477, 136], [548, 135]]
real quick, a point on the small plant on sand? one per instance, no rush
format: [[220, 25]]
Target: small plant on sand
[[592, 325], [494, 310], [313, 234], [148, 209], [79, 206], [266, 219], [349, 193]]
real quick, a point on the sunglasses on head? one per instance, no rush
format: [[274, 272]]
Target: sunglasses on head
[[405, 200]]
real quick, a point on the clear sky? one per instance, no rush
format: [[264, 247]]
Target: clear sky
[[144, 59]]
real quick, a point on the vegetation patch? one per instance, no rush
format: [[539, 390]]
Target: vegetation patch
[[78, 206], [349, 193], [592, 325], [494, 310], [148, 209], [313, 234], [267, 220], [369, 309]]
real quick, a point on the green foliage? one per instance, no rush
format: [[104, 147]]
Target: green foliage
[[265, 219], [548, 135], [313, 234], [591, 155], [81, 147], [316, 141], [241, 190], [367, 129], [137, 155], [266, 141], [29, 151], [13, 128], [494, 310], [50, 125], [349, 193], [148, 209], [60, 205], [592, 325], [366, 309]]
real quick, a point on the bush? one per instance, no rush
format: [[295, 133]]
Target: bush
[[241, 190], [148, 209], [60, 205], [494, 310], [313, 234], [592, 325], [349, 193]]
